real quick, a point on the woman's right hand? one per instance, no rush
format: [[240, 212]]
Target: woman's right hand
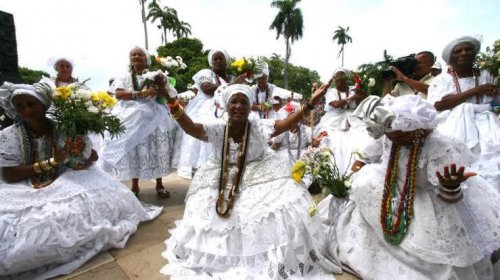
[[489, 89]]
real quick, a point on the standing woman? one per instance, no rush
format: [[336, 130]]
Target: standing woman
[[64, 68], [194, 153], [345, 134], [54, 219], [145, 149]]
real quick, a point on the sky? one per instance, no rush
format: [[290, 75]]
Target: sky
[[98, 34]]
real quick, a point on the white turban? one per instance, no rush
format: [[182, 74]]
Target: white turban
[[469, 39], [234, 89], [52, 62], [8, 91], [261, 69], [341, 69], [404, 113], [213, 51], [145, 52]]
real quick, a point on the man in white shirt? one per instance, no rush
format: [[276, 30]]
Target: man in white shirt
[[262, 92]]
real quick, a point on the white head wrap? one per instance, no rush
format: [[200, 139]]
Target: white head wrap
[[8, 91], [261, 69], [145, 52], [234, 89], [54, 60], [449, 48], [341, 69], [404, 113], [213, 51]]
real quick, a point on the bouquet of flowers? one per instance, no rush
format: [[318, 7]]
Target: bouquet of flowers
[[362, 85], [243, 66], [490, 59], [173, 66], [320, 164], [78, 111]]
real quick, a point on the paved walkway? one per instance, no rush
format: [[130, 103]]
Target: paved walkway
[[141, 257]]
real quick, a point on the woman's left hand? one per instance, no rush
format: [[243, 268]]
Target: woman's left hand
[[317, 140], [451, 179]]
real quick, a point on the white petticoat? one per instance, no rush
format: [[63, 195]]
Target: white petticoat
[[55, 230], [269, 234], [145, 149]]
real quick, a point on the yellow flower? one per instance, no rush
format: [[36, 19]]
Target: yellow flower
[[63, 92], [312, 209], [103, 99], [298, 171]]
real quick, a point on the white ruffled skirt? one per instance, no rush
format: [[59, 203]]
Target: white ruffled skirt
[[269, 234], [444, 241], [52, 231]]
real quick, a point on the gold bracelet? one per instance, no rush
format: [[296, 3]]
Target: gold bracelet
[[45, 165], [36, 168], [178, 113], [53, 162]]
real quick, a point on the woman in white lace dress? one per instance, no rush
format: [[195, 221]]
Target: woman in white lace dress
[[345, 134], [245, 217], [54, 219], [405, 217], [463, 96], [194, 153], [145, 149]]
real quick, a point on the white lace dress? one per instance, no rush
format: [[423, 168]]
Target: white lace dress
[[444, 241], [145, 149], [474, 124], [269, 234], [54, 230], [194, 153], [346, 134]]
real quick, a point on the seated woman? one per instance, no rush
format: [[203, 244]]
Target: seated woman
[[54, 219], [404, 218], [245, 217], [463, 96]]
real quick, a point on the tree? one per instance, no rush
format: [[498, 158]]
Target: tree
[[31, 76], [167, 17], [182, 29], [342, 38], [374, 70], [289, 24], [144, 20]]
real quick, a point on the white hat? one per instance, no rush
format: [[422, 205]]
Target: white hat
[[451, 45], [436, 65], [261, 69]]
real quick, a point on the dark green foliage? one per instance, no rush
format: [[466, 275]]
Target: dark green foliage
[[191, 51], [31, 76]]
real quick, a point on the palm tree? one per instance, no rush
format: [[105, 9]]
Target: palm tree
[[342, 38], [289, 24], [144, 20], [167, 16], [182, 29]]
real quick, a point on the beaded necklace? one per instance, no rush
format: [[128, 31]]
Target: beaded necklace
[[457, 85], [223, 206], [58, 82], [395, 225], [290, 144], [30, 154], [257, 90]]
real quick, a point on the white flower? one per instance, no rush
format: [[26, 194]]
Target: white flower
[[89, 104], [2, 118], [183, 65], [312, 209], [83, 94], [371, 82], [93, 109], [347, 183], [179, 59]]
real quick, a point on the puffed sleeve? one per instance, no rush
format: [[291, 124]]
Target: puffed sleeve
[[440, 87]]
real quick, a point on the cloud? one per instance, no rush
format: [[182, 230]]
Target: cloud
[[99, 34]]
